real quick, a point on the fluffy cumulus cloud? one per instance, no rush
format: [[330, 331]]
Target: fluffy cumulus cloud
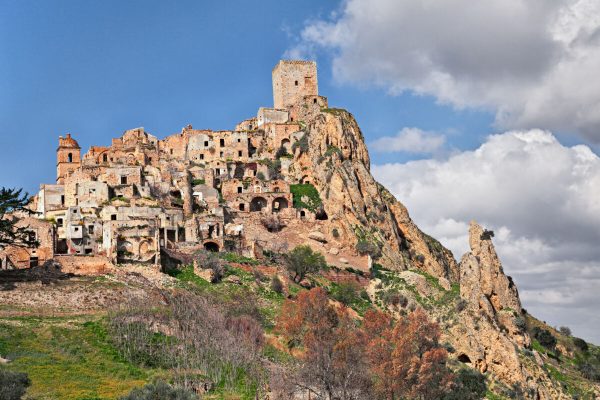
[[410, 140], [540, 198], [533, 62]]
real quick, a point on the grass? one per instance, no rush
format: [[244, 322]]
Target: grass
[[68, 358], [186, 274]]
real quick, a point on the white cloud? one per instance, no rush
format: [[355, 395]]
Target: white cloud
[[535, 63], [410, 140], [541, 198]]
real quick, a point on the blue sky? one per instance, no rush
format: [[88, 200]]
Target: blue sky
[[95, 69]]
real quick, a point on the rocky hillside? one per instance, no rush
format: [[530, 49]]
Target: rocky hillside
[[69, 330], [485, 325]]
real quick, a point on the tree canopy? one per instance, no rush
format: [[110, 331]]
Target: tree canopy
[[13, 202]]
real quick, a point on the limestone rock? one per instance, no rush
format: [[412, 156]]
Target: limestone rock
[[206, 274], [418, 281], [343, 260], [340, 166], [445, 283], [233, 279], [489, 334], [334, 251], [318, 236]]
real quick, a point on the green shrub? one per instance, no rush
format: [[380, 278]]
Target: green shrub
[[160, 391], [260, 176], [468, 385], [346, 293], [580, 344], [565, 330], [302, 144], [13, 384], [589, 371], [335, 233], [282, 152], [365, 247], [302, 260], [544, 337], [306, 196], [487, 235], [276, 284]]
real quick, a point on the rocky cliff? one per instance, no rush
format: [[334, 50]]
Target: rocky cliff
[[361, 209], [484, 324]]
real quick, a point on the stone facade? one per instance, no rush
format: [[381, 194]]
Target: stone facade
[[195, 189]]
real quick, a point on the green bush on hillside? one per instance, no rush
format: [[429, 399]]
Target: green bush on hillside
[[303, 261], [160, 391], [13, 384], [305, 196]]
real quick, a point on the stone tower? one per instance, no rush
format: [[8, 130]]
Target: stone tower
[[68, 157], [292, 81]]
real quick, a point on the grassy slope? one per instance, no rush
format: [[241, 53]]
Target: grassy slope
[[71, 357], [68, 358]]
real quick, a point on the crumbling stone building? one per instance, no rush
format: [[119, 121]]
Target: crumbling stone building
[[192, 190]]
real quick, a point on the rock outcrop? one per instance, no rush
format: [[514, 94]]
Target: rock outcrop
[[360, 209], [487, 289]]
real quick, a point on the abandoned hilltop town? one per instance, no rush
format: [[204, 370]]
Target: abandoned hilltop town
[[197, 189]]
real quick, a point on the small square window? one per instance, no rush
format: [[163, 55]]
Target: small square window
[[113, 217], [296, 83], [91, 229], [222, 142], [202, 156], [239, 153], [239, 189]]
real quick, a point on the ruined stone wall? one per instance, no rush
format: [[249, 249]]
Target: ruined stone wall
[[271, 115], [50, 198], [21, 257], [292, 80]]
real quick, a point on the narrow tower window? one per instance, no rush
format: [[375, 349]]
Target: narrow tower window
[[70, 157]]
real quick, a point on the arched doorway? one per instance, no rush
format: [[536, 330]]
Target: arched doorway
[[285, 143], [258, 203], [211, 246], [279, 204]]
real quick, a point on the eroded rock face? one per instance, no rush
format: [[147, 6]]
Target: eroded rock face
[[357, 206], [487, 289], [490, 333]]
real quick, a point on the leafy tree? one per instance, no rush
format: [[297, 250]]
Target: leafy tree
[[12, 202], [332, 365], [565, 330], [302, 260], [13, 384], [382, 359], [160, 391], [406, 357], [346, 293]]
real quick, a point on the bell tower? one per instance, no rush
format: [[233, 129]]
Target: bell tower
[[68, 157]]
